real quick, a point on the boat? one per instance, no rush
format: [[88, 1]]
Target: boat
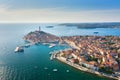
[[51, 45], [45, 43], [67, 70], [96, 32], [19, 49], [45, 68], [55, 70], [51, 57], [27, 45]]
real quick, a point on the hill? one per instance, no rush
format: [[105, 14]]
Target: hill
[[40, 37]]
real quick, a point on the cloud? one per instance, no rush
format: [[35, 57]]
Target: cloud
[[57, 15]]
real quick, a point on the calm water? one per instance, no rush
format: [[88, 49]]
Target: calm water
[[30, 64]]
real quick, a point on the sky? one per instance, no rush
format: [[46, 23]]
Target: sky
[[59, 11]]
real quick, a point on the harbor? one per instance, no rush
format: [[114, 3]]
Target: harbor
[[55, 55], [85, 69], [83, 66], [93, 53]]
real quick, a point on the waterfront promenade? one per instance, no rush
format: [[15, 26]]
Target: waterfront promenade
[[62, 59]]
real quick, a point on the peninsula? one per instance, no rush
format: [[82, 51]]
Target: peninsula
[[95, 54], [39, 36]]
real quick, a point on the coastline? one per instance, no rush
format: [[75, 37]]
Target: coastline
[[61, 59], [91, 46]]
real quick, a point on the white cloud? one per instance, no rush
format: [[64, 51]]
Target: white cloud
[[57, 15]]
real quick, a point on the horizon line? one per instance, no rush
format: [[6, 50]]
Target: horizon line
[[59, 22]]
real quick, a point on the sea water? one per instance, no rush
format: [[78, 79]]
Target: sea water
[[31, 64]]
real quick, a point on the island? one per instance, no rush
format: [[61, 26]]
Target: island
[[92, 25], [94, 54]]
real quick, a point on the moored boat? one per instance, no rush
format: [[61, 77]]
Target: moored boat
[[52, 45], [96, 32]]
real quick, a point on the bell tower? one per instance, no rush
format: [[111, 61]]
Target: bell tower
[[39, 28]]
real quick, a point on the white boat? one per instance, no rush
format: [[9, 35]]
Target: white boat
[[19, 49], [45, 43], [51, 57], [27, 45], [51, 45], [45, 68], [55, 70], [67, 70]]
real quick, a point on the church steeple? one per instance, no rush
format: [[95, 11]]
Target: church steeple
[[39, 28]]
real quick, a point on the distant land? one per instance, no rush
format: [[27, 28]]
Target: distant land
[[93, 25], [49, 26]]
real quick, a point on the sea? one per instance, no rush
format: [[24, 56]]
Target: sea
[[34, 63]]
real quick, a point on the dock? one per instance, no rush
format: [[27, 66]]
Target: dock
[[53, 55]]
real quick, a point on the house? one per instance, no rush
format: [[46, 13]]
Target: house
[[115, 66]]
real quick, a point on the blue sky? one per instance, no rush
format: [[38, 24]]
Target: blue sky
[[59, 10]]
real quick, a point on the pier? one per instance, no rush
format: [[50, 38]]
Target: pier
[[53, 55]]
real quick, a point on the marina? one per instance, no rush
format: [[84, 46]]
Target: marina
[[53, 55]]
